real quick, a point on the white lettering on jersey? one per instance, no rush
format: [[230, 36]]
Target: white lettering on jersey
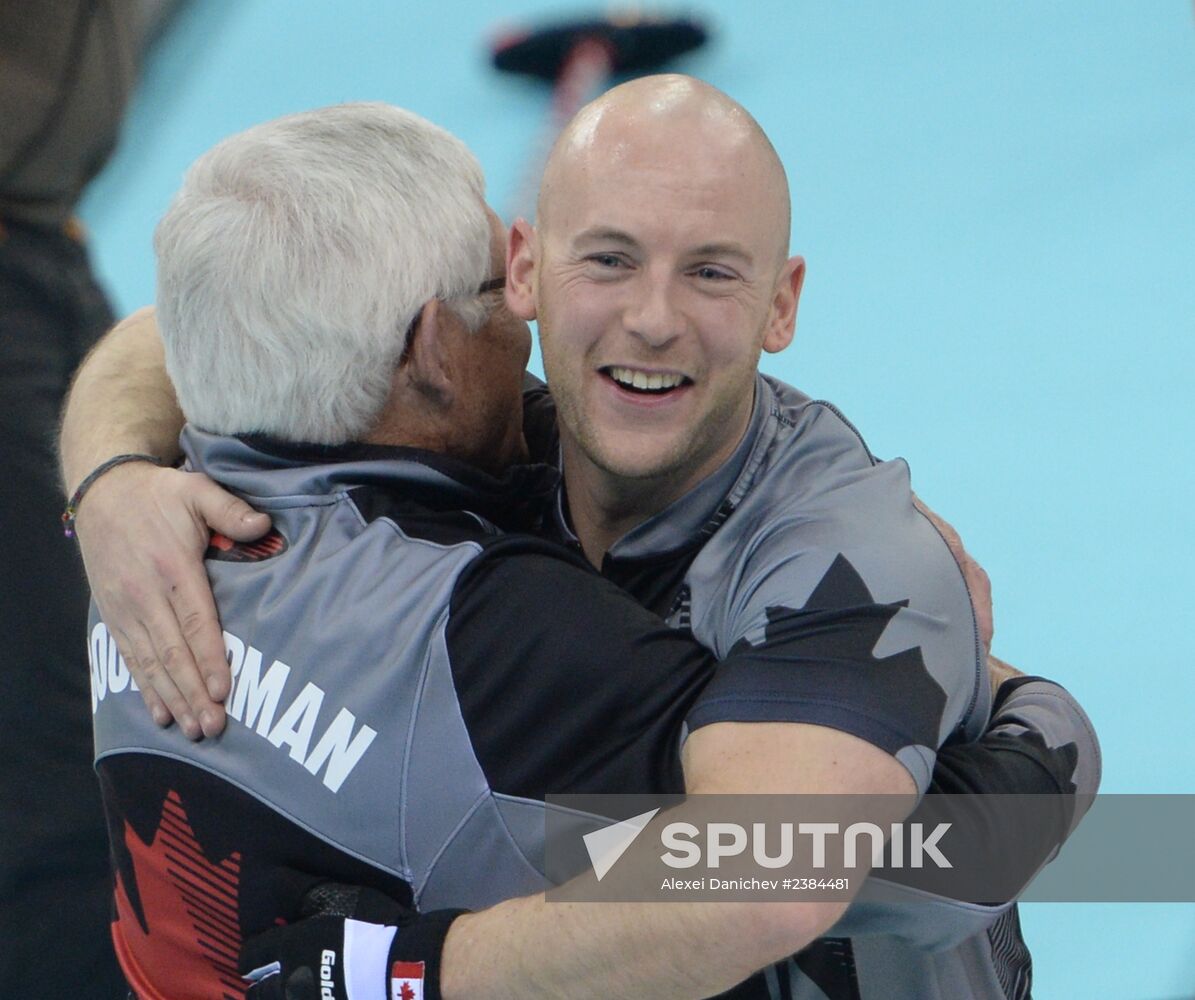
[[109, 672], [298, 723], [255, 698], [340, 749], [254, 701]]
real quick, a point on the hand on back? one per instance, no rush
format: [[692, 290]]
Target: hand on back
[[143, 531]]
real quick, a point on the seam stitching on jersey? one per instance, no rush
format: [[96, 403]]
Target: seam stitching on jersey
[[417, 890], [797, 699], [291, 501], [413, 540], [506, 827], [492, 796], [980, 659], [409, 743], [851, 427]]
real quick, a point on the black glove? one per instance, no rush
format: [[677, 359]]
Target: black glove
[[354, 934]]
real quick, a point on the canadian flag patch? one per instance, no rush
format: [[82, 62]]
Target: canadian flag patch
[[406, 981]]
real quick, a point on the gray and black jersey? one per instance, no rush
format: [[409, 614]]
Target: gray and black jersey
[[804, 564], [409, 682]]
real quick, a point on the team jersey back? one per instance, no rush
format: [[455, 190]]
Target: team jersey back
[[349, 753]]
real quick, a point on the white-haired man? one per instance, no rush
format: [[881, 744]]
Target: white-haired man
[[753, 745]]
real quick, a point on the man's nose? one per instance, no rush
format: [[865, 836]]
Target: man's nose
[[652, 316]]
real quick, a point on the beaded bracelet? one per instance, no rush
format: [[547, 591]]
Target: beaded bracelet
[[72, 505]]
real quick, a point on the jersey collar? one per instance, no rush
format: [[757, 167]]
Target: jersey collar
[[271, 473]]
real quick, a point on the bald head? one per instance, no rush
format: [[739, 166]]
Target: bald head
[[668, 121], [658, 272]]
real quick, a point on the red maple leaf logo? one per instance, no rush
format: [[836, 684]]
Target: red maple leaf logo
[[190, 908], [405, 992]]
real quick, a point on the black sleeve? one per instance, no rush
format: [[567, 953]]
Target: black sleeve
[[1016, 755], [1013, 796], [566, 684]]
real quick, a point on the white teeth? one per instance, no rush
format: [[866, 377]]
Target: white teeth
[[645, 380]]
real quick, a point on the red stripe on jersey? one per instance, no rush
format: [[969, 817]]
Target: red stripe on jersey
[[188, 949]]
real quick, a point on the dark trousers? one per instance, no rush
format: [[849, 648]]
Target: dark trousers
[[55, 886]]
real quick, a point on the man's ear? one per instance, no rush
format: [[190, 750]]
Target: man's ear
[[427, 360], [782, 323], [522, 253]]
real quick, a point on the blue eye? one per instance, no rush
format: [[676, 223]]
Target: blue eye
[[713, 274]]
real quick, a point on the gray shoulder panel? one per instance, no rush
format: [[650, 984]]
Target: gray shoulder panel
[[817, 498]]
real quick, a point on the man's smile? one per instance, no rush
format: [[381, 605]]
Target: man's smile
[[645, 382]]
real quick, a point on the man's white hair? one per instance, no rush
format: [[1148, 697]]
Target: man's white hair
[[297, 254]]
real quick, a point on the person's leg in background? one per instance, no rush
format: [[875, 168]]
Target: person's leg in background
[[55, 886]]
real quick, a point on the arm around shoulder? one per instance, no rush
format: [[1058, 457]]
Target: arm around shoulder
[[143, 530], [531, 947], [121, 401]]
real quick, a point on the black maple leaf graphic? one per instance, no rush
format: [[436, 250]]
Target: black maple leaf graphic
[[830, 639]]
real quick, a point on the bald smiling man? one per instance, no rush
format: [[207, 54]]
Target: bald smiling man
[[658, 269], [732, 504]]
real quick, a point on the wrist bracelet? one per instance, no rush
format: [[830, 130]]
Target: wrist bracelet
[[72, 505]]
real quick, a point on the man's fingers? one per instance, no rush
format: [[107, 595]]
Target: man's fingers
[[999, 672], [202, 654], [195, 611], [158, 657], [143, 532], [228, 514], [143, 538], [173, 657], [158, 689], [157, 708], [175, 674]]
